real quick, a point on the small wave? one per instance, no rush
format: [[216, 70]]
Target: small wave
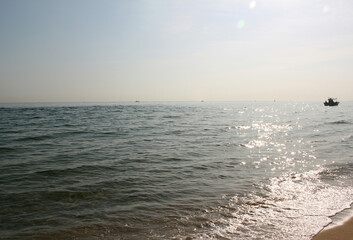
[[286, 204], [341, 122], [6, 149], [172, 117], [57, 173], [347, 138], [173, 159], [61, 196], [201, 167], [340, 170], [78, 132], [35, 138], [51, 136], [71, 196]]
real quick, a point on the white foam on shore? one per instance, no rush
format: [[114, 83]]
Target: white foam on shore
[[292, 206], [340, 218]]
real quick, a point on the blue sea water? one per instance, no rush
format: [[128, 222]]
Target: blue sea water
[[173, 170]]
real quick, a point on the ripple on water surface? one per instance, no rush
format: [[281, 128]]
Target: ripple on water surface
[[163, 170]]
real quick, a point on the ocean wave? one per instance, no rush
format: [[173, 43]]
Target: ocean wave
[[339, 170], [7, 149], [340, 122], [75, 170], [54, 135], [49, 197], [18, 173], [167, 171], [35, 138], [347, 138], [292, 206]]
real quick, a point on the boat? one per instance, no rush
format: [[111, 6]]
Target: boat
[[331, 102]]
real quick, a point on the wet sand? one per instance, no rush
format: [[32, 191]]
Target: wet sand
[[342, 232]]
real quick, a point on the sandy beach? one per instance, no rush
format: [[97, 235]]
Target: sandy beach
[[342, 232]]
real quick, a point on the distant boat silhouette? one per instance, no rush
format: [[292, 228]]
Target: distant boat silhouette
[[331, 102]]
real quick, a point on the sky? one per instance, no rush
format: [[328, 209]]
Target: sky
[[175, 50]]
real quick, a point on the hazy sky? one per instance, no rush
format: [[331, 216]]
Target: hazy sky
[[125, 50]]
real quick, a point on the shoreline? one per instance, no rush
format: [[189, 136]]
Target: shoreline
[[340, 232], [341, 227]]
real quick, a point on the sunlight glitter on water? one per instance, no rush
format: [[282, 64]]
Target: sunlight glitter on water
[[293, 206], [174, 170]]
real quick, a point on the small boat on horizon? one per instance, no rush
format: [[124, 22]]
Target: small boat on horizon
[[331, 102]]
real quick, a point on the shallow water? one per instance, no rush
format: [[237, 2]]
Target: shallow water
[[222, 170]]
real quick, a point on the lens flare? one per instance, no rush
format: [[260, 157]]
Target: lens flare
[[241, 24], [326, 9], [252, 5]]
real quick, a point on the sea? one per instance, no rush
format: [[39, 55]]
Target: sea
[[174, 170]]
